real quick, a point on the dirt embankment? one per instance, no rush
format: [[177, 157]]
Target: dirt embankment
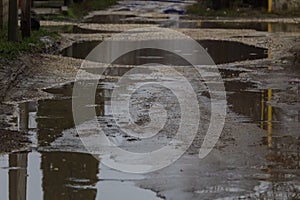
[[10, 74]]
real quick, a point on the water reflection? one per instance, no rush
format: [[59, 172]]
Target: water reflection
[[258, 26], [269, 121], [76, 29], [69, 175], [17, 176], [52, 121], [55, 115], [282, 136], [109, 19], [220, 51], [60, 175], [80, 49], [64, 175]]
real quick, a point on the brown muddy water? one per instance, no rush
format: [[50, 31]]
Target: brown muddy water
[[57, 174], [220, 51]]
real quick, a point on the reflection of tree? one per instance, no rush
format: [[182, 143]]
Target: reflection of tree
[[80, 50], [18, 161], [54, 116], [17, 176], [23, 117], [246, 103], [228, 51], [69, 175], [65, 175], [284, 153], [150, 55]]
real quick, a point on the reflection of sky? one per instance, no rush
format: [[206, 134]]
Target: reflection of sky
[[4, 176], [110, 186], [34, 180], [31, 120], [59, 174]]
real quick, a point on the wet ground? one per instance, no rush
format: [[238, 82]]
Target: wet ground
[[257, 156], [261, 26], [53, 169], [176, 22]]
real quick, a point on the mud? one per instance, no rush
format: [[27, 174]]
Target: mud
[[12, 140]]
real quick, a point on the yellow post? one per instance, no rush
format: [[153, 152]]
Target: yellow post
[[269, 122], [262, 109], [269, 55], [199, 23], [269, 27], [270, 6]]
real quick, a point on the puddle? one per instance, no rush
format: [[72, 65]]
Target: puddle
[[220, 51], [281, 124], [109, 19], [76, 29], [52, 116], [254, 106], [121, 19], [58, 174], [281, 136], [259, 26], [228, 51], [64, 175], [80, 49]]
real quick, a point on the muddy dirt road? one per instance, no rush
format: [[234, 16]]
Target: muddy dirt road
[[256, 157]]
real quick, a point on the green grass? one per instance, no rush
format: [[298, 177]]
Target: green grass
[[81, 9], [78, 10], [11, 50]]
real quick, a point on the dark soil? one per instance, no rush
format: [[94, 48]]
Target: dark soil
[[12, 140]]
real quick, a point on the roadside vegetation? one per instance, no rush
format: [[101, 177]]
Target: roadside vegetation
[[81, 9], [235, 8], [78, 10], [38, 42]]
